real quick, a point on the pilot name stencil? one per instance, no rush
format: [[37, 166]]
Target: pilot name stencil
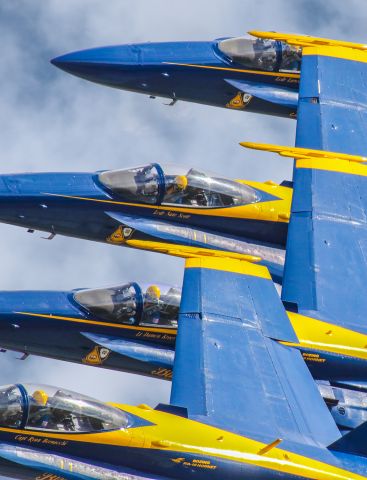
[[170, 213]]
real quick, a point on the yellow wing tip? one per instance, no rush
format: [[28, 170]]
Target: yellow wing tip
[[262, 146], [262, 34], [303, 153]]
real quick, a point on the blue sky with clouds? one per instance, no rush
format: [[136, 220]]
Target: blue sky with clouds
[[51, 121]]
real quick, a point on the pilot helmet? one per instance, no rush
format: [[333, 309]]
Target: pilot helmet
[[153, 292], [40, 397], [181, 182]]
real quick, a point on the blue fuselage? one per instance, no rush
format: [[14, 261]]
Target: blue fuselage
[[75, 204], [78, 205], [190, 71], [52, 324]]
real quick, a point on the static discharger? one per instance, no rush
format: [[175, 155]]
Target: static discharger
[[303, 153], [189, 252], [306, 41]]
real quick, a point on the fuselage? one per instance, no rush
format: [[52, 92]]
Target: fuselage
[[65, 326], [70, 201], [245, 217], [200, 72]]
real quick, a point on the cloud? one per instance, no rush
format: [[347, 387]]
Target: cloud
[[50, 121]]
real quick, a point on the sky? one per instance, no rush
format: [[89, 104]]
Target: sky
[[51, 121]]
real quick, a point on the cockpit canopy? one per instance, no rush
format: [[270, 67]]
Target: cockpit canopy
[[173, 185], [262, 54], [45, 408], [133, 304]]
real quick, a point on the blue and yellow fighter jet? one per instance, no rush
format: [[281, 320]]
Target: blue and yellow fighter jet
[[133, 327], [169, 204], [243, 405], [258, 75]]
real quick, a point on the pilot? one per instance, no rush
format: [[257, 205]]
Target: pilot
[[40, 397], [151, 304], [175, 188], [39, 413], [161, 308], [45, 412]]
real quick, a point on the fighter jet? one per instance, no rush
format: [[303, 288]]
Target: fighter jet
[[257, 75], [130, 327], [55, 434], [165, 204]]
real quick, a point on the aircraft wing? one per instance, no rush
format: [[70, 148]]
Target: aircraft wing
[[229, 370], [325, 271]]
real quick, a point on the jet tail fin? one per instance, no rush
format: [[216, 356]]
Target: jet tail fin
[[353, 442]]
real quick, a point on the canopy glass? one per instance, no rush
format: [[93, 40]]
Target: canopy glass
[[41, 407], [133, 304], [262, 54], [174, 185]]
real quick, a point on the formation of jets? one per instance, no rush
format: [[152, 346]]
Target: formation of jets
[[266, 343]]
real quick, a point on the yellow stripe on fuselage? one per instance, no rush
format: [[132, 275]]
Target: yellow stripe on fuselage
[[170, 433], [240, 70], [97, 322]]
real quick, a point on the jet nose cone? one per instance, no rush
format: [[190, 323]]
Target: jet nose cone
[[63, 60], [99, 64]]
